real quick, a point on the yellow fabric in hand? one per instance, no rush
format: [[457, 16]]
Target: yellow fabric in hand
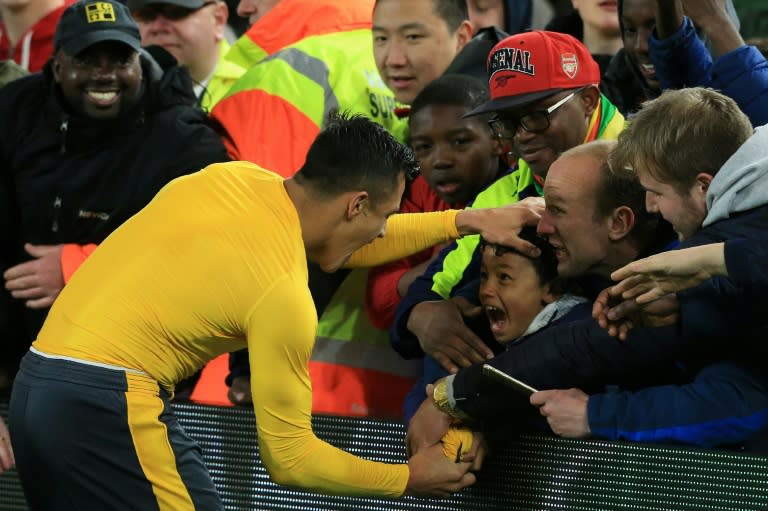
[[457, 442]]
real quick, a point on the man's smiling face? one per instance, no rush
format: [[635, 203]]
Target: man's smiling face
[[412, 45]]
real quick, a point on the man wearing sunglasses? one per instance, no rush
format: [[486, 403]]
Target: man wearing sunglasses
[[193, 32], [545, 97]]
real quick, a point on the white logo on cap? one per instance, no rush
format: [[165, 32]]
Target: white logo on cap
[[511, 59], [570, 64]]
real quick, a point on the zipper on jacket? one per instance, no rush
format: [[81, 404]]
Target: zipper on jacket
[[56, 213], [63, 130]]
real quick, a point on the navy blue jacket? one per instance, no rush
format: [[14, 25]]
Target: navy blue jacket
[[682, 60], [433, 371], [747, 264]]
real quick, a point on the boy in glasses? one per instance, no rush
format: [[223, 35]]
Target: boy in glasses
[[193, 32], [545, 100]]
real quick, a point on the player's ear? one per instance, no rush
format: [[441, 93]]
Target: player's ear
[[357, 204]]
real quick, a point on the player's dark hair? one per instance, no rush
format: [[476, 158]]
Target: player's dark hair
[[354, 153]]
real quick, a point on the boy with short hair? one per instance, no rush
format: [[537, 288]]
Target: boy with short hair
[[459, 157], [519, 295]]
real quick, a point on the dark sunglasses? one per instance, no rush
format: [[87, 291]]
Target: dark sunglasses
[[532, 122], [171, 12]]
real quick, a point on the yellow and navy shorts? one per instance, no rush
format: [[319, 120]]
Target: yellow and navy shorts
[[88, 437]]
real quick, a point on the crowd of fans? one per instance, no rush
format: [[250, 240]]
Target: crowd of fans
[[622, 144]]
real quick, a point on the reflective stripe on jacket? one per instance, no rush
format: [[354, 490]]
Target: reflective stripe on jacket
[[354, 369], [274, 112]]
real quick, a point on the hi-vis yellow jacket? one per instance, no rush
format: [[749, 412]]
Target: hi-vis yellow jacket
[[305, 59], [224, 77]]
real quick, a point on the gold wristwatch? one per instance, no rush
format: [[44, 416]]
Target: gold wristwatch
[[440, 396]]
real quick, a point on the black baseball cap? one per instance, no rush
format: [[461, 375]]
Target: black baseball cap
[[189, 4], [86, 23]]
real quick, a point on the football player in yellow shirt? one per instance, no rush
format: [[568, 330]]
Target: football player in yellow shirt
[[217, 262]]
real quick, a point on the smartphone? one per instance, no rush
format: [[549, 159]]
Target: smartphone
[[507, 380]]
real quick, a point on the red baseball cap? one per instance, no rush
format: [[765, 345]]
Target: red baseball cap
[[531, 66]]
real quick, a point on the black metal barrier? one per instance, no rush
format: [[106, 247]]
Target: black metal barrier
[[533, 473]]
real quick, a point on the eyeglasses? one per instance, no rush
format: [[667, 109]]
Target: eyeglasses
[[533, 122], [171, 12]]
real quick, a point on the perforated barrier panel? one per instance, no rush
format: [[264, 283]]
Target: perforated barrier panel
[[533, 473]]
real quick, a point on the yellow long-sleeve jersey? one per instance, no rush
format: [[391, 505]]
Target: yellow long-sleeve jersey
[[215, 263]]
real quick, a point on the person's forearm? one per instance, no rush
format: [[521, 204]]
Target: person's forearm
[[712, 20], [279, 353], [722, 34], [681, 60], [725, 404], [711, 258], [742, 74], [320, 467], [578, 354], [669, 17], [408, 233]]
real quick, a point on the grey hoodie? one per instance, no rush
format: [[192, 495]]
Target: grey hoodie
[[741, 183]]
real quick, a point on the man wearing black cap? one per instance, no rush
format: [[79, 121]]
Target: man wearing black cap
[[97, 38], [83, 146]]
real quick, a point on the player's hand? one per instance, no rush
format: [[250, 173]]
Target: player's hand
[[565, 411], [239, 392], [434, 475], [501, 226], [7, 461], [443, 334], [38, 282], [478, 452]]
